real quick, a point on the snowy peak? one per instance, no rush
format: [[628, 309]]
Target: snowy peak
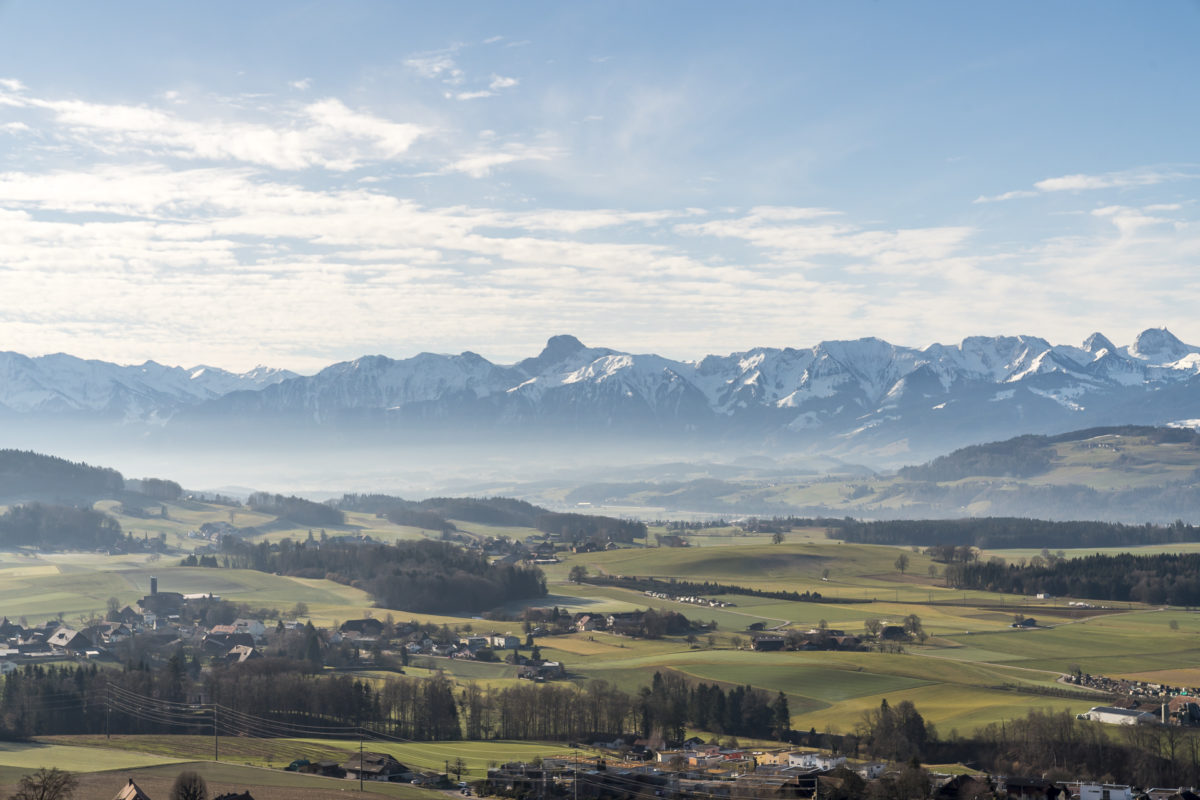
[[1097, 343], [844, 395], [562, 351], [61, 383], [1159, 346]]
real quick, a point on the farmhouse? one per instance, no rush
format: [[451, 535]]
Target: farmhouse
[[65, 640], [363, 627], [131, 791], [374, 767], [628, 623], [241, 653]]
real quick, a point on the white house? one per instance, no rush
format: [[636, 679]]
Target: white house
[[819, 761], [1118, 716], [505, 641], [1104, 791]]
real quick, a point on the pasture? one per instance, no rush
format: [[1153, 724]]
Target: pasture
[[267, 784], [971, 670]]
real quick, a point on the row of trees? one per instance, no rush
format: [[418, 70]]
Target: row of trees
[[269, 694], [677, 588], [1008, 532]]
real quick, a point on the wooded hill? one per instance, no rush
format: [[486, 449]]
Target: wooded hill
[[26, 475], [1122, 474], [437, 513]]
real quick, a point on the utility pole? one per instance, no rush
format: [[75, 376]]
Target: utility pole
[[360, 760], [216, 741], [107, 710]]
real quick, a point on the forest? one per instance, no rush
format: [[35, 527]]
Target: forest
[[296, 509], [24, 473], [1172, 578], [423, 576], [437, 513], [50, 527]]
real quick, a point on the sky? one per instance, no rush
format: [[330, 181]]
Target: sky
[[295, 184]]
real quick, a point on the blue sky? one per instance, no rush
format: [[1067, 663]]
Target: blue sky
[[296, 184]]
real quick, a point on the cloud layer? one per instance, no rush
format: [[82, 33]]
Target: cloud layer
[[297, 233]]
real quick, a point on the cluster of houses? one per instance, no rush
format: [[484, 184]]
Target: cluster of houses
[[1140, 702], [696, 769], [692, 599], [813, 639]]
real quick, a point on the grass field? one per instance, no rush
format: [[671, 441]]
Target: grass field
[[31, 755], [91, 753], [266, 784], [974, 669]]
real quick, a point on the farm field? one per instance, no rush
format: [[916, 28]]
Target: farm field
[[31, 755], [972, 670], [266, 784], [278, 753]]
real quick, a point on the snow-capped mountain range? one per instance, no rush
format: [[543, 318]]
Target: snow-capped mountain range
[[64, 384], [856, 397]]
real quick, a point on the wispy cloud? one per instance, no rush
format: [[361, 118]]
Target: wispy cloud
[[480, 163], [325, 133], [1082, 183], [150, 209]]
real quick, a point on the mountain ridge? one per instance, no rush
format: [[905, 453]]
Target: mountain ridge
[[857, 398]]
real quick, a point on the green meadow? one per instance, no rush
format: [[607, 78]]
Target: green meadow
[[972, 670]]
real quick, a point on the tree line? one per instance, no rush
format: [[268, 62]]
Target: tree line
[[1009, 532], [276, 692], [437, 513], [271, 694], [678, 588]]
